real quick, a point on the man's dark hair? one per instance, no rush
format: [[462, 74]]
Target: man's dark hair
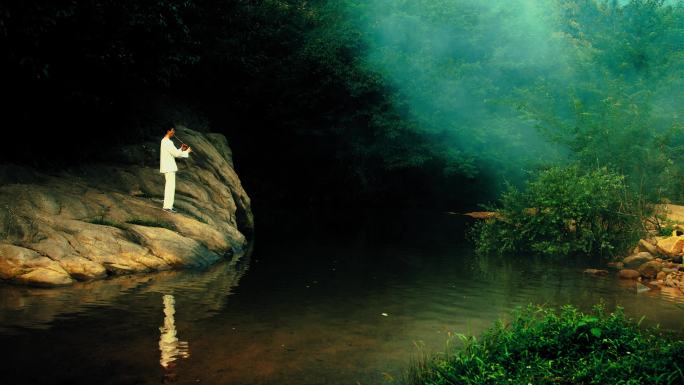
[[168, 126]]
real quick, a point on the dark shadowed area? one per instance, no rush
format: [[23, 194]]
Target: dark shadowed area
[[331, 298]]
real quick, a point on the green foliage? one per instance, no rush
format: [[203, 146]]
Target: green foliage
[[383, 97], [610, 102], [564, 212], [665, 231], [541, 345]]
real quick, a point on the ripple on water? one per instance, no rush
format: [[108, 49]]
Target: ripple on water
[[204, 291], [361, 322]]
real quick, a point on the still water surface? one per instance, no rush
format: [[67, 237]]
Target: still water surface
[[325, 298]]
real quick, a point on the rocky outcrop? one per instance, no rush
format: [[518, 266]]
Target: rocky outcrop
[[106, 218]]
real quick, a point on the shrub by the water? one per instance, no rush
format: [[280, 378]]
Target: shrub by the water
[[563, 212], [541, 345]]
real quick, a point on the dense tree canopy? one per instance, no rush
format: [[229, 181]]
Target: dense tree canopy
[[417, 102]]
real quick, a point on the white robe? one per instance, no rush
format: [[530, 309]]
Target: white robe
[[167, 165], [167, 154]]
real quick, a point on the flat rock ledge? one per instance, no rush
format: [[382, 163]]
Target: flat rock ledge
[[106, 218]]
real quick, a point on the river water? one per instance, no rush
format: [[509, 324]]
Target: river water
[[325, 298]]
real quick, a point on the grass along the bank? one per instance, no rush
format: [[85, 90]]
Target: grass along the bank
[[542, 345]]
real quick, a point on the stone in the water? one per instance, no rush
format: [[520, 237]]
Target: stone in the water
[[596, 272], [629, 274]]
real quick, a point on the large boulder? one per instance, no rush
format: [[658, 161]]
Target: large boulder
[[636, 260], [671, 246], [106, 219]]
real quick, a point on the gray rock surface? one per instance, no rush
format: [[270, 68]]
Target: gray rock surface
[[636, 260], [107, 219]]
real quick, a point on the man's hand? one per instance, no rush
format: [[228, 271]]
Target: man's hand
[[189, 149], [184, 147]]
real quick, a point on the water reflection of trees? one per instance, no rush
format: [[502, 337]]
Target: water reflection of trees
[[203, 292]]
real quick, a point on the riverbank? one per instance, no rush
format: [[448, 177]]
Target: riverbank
[[656, 261], [542, 345], [105, 219]]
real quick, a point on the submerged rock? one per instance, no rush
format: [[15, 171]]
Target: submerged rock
[[596, 272], [106, 219]]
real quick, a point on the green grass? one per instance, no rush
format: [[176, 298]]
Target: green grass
[[152, 223], [665, 231], [547, 346]]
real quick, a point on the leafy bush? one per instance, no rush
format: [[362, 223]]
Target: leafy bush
[[563, 212], [543, 346]]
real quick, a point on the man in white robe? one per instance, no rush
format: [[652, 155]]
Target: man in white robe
[[167, 165]]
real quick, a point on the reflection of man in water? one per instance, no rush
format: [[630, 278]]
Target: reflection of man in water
[[169, 345]]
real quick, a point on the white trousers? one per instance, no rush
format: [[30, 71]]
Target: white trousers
[[169, 189]]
